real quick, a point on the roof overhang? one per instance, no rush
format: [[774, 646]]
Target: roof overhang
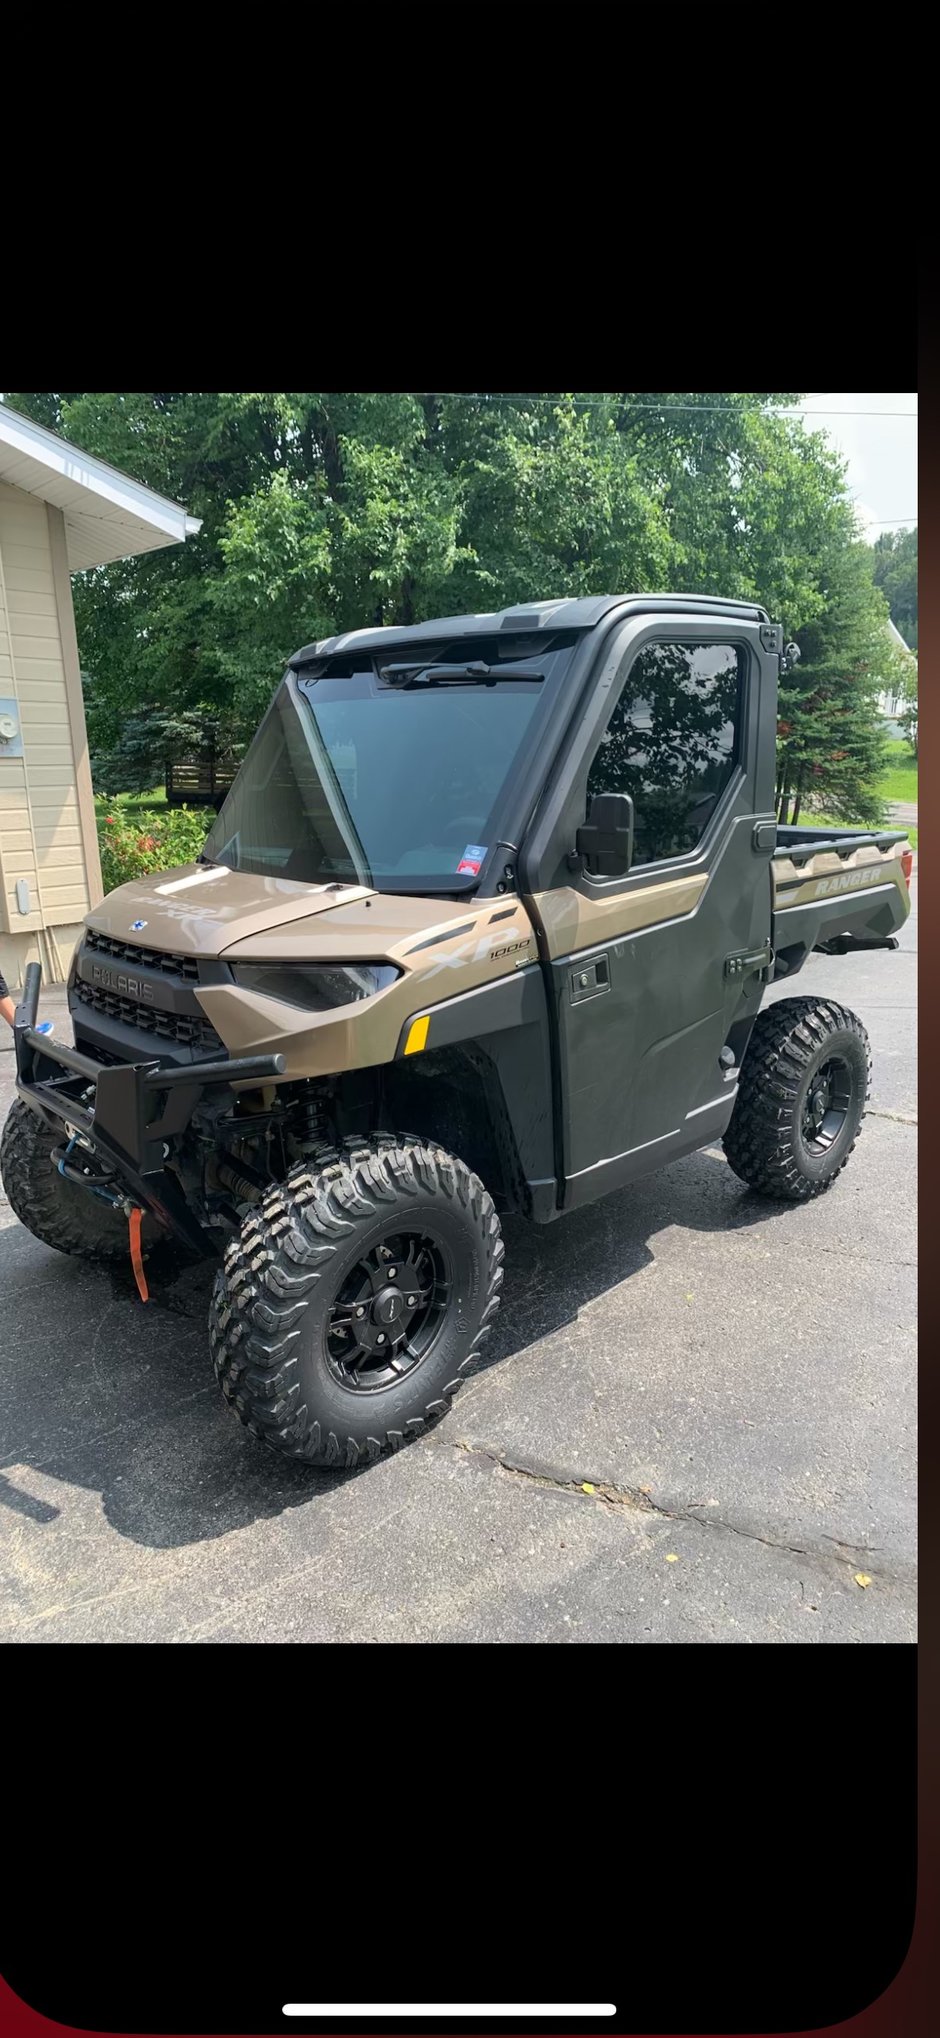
[[107, 515], [895, 633]]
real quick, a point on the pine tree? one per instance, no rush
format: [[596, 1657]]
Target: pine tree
[[831, 745]]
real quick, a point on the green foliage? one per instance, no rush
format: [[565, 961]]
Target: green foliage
[[832, 749], [132, 844], [895, 570], [152, 738], [331, 510]]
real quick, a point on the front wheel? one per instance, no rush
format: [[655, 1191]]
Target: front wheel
[[351, 1306], [801, 1099], [59, 1212]]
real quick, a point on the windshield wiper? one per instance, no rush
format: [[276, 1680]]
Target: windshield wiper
[[476, 673]]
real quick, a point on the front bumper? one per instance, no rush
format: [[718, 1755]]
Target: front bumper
[[130, 1111]]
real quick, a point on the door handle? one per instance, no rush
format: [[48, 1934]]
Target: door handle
[[590, 980], [752, 960]]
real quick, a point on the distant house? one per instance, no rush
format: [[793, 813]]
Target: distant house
[[890, 704], [60, 511]]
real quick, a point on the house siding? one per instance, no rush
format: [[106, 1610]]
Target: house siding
[[47, 833]]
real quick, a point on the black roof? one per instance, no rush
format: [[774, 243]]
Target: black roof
[[564, 614]]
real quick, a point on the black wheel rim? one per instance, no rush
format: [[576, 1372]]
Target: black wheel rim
[[826, 1105], [389, 1311]]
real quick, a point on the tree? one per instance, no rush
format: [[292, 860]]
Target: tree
[[331, 510], [149, 741], [895, 570], [831, 750]]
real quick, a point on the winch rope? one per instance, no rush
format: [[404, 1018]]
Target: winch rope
[[134, 1221]]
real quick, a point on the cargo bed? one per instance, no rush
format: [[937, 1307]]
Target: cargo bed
[[837, 889]]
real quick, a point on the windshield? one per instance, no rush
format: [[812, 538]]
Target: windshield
[[363, 782]]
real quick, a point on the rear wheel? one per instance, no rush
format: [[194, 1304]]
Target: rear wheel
[[801, 1099], [59, 1212], [350, 1309]]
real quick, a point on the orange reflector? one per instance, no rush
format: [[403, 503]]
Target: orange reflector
[[418, 1033], [137, 1259], [907, 865]]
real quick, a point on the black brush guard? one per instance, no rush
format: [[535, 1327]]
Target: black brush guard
[[131, 1111]]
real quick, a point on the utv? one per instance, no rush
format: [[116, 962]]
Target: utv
[[509, 885]]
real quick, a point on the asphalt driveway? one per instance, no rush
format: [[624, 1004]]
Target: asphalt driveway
[[696, 1422]]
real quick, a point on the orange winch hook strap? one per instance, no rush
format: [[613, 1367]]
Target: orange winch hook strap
[[134, 1220]]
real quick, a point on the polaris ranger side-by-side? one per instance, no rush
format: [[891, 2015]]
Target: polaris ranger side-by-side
[[509, 886]]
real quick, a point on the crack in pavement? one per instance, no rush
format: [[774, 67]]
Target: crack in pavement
[[897, 1117], [867, 1549], [626, 1498], [840, 1252]]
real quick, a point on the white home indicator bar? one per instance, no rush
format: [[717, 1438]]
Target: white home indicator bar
[[450, 2009]]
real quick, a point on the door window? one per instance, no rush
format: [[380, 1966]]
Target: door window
[[672, 743]]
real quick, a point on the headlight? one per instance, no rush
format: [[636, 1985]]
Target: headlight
[[317, 987]]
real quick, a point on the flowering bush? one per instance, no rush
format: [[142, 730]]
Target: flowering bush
[[132, 843]]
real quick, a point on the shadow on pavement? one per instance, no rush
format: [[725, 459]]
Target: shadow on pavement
[[118, 1398]]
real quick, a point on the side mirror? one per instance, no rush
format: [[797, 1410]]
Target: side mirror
[[605, 839]]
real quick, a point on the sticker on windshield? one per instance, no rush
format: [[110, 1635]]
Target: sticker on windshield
[[471, 860]]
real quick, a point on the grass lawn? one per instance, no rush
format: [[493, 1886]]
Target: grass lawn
[[900, 779], [899, 783], [141, 803], [828, 821]]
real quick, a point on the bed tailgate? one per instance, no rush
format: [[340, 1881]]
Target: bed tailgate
[[836, 890]]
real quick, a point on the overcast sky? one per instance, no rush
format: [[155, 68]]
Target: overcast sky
[[881, 451]]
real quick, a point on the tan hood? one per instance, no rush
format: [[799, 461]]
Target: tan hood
[[201, 911], [441, 947], [358, 926]]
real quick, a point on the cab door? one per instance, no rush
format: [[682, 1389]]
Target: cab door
[[653, 973]]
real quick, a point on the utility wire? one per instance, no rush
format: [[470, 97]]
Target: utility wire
[[693, 409]]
